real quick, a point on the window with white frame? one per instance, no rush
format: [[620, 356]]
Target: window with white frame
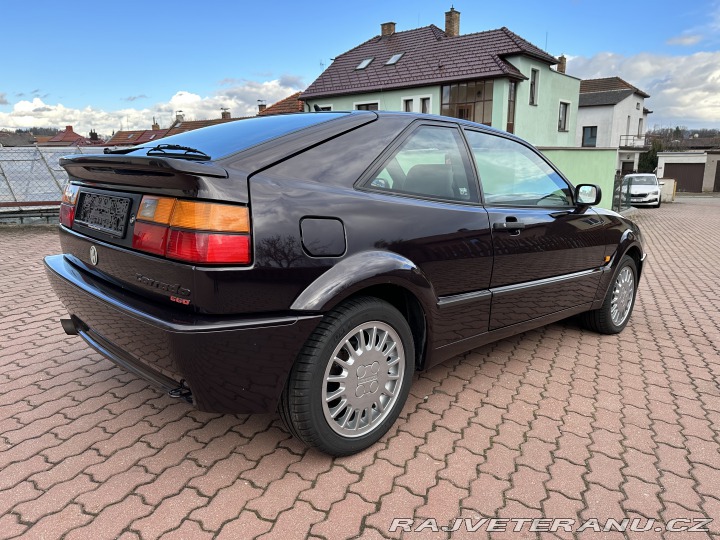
[[408, 105], [366, 106], [563, 116], [534, 76], [425, 105]]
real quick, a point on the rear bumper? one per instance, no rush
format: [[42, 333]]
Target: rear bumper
[[231, 364]]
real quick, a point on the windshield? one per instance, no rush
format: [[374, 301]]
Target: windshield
[[643, 180], [224, 139]]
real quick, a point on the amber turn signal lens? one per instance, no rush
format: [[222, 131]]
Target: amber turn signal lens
[[210, 217], [70, 194], [156, 209]]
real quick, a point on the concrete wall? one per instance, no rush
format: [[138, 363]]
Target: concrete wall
[[587, 166], [538, 124], [711, 167]]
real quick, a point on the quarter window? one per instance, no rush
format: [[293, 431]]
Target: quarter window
[[513, 174], [430, 163]]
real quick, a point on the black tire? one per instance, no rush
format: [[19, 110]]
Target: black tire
[[617, 307], [658, 204], [385, 381]]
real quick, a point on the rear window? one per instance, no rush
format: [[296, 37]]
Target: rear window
[[224, 139]]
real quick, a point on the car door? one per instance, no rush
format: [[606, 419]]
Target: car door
[[547, 251], [427, 192]]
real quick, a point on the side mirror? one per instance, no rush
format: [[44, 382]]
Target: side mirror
[[587, 194]]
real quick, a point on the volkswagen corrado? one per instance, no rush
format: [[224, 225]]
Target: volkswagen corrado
[[311, 263]]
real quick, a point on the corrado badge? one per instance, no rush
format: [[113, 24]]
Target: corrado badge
[[176, 291]]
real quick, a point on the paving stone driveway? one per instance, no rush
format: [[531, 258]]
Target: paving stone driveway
[[557, 422]]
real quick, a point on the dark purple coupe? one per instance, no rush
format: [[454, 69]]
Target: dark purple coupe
[[310, 263]]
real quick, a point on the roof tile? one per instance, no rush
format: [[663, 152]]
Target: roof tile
[[430, 57]]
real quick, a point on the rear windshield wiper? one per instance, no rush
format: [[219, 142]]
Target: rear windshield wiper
[[187, 152], [123, 150]]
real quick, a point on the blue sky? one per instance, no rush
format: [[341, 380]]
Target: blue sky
[[111, 66]]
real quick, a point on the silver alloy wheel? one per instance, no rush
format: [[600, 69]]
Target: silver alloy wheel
[[622, 296], [363, 379]]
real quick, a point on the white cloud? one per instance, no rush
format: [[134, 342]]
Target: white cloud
[[241, 98], [686, 40], [684, 90]]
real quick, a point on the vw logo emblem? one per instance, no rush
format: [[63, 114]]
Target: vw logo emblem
[[93, 255]]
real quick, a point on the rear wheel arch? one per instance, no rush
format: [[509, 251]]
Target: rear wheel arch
[[409, 306]]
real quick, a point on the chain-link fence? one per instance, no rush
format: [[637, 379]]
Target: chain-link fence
[[31, 179]]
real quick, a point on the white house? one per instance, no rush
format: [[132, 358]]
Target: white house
[[612, 114]]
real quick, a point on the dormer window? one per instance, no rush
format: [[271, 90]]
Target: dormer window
[[394, 59], [365, 63]]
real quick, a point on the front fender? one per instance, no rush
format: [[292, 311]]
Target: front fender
[[362, 270]]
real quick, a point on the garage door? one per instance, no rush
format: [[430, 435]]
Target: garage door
[[689, 176]]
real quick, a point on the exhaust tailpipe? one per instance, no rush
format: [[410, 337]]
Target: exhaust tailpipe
[[69, 327]]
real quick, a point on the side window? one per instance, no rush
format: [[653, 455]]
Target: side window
[[512, 174], [431, 162]]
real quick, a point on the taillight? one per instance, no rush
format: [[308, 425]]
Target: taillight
[[192, 231], [150, 238], [67, 206], [208, 247]]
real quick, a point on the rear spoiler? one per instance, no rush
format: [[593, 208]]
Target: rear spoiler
[[151, 165]]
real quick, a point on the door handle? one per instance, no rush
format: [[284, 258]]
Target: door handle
[[508, 226]]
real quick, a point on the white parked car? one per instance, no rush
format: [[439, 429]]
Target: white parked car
[[644, 189]]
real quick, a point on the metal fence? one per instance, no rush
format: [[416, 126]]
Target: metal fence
[[621, 194], [31, 179]]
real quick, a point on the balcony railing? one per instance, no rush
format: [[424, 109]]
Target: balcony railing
[[632, 141]]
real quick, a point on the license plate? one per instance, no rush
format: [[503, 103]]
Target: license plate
[[104, 213]]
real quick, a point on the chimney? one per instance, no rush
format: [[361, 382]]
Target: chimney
[[179, 116], [261, 105], [68, 129], [225, 114], [452, 22], [387, 29], [155, 125], [562, 64], [93, 135]]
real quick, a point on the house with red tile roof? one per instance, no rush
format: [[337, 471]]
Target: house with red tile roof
[[136, 137], [290, 104], [493, 77], [181, 125], [68, 137]]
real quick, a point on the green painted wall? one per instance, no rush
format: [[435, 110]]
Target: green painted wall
[[538, 124], [587, 166], [391, 100]]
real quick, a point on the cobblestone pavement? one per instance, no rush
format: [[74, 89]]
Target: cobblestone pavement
[[557, 422]]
